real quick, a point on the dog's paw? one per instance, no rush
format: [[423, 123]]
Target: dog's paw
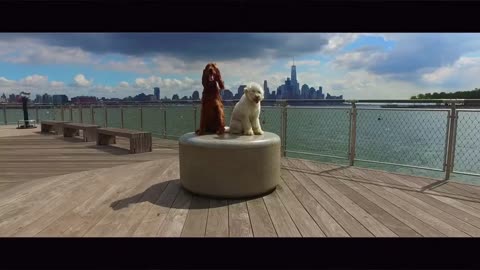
[[248, 132], [258, 132]]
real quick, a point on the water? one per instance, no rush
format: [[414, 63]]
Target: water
[[407, 137]]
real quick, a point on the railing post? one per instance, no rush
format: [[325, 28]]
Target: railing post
[[5, 114], [71, 113], [121, 116], [92, 112], [165, 122], [141, 117], [81, 112], [106, 115], [353, 134], [283, 132], [194, 117], [61, 113], [36, 114], [452, 130]]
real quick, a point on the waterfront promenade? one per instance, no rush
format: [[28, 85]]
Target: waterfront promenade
[[55, 186]]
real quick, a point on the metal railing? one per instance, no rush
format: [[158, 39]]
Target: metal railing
[[445, 138]]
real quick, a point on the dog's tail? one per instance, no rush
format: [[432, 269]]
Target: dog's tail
[[227, 129]]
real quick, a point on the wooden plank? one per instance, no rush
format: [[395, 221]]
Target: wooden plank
[[196, 222], [304, 222], [371, 223], [283, 223], [156, 216], [434, 211], [324, 220], [436, 223], [462, 215], [384, 217], [238, 219], [175, 220], [116, 221], [347, 221], [217, 221], [262, 225], [54, 210], [459, 204], [419, 226], [82, 218], [20, 212]]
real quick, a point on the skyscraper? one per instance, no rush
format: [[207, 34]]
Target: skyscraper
[[295, 84], [265, 89], [156, 92]]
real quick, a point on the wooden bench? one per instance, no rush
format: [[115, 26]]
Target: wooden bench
[[48, 126], [139, 141], [89, 131]]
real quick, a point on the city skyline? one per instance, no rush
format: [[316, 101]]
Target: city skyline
[[289, 90], [357, 65]]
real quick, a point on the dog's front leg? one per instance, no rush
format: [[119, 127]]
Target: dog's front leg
[[247, 126], [256, 126]]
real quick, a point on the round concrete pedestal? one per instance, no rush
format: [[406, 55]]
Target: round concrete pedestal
[[229, 166]]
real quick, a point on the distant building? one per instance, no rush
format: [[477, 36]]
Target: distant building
[[304, 92], [266, 90], [59, 99], [3, 98], [152, 97], [84, 100], [38, 99], [156, 92], [311, 93], [12, 98], [47, 99]]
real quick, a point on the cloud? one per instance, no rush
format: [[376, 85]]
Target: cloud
[[193, 46], [57, 84], [168, 86], [24, 51], [6, 82], [463, 74], [34, 80], [131, 64], [362, 58], [80, 81], [123, 84]]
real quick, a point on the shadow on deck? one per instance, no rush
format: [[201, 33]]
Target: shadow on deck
[[77, 189]]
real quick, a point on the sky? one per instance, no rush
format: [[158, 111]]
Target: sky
[[355, 65]]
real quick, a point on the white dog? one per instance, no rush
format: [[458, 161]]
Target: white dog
[[246, 113]]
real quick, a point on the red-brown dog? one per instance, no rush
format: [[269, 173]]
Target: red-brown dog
[[212, 118]]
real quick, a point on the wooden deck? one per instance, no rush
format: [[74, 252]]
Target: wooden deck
[[66, 187]]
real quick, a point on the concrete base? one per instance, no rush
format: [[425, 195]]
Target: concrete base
[[229, 166]]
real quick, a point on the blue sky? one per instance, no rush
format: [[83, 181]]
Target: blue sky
[[356, 65]]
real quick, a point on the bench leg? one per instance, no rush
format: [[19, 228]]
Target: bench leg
[[90, 135], [104, 139], [69, 132], [46, 128], [141, 143]]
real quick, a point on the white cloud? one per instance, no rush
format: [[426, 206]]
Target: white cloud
[[358, 59], [338, 41], [168, 87], [34, 80], [6, 82], [24, 51], [57, 84], [81, 81], [463, 74], [131, 64], [123, 84]]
